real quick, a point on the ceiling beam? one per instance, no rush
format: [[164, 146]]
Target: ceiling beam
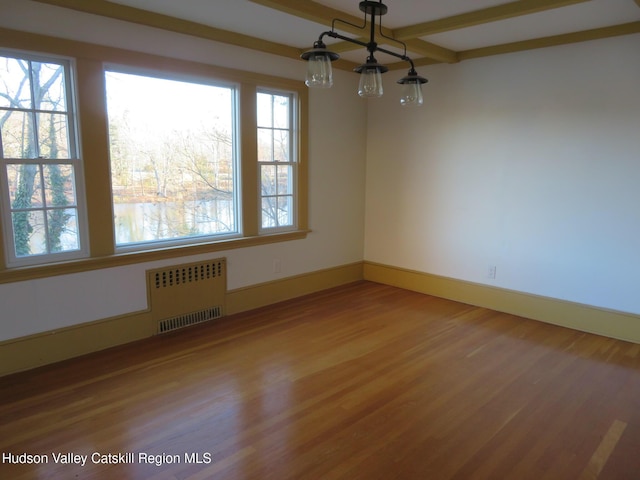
[[478, 17], [315, 12], [552, 41], [420, 62], [432, 51], [177, 25]]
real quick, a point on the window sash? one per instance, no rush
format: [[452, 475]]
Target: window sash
[[53, 228]]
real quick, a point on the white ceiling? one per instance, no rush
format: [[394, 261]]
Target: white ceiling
[[252, 19]]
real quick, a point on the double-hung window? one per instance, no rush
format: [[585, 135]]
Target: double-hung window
[[277, 159], [174, 161], [41, 172]]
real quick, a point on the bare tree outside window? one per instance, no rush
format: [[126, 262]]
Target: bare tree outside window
[[173, 158]]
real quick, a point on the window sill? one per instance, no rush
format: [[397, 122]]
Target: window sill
[[20, 274]]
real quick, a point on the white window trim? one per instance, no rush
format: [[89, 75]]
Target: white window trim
[[294, 131], [196, 239]]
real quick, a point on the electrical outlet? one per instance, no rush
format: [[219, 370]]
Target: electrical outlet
[[277, 265], [491, 273]]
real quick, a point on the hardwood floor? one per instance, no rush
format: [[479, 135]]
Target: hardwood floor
[[362, 382]]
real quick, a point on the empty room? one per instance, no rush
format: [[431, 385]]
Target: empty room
[[328, 239]]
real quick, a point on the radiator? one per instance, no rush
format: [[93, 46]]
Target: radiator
[[183, 295]]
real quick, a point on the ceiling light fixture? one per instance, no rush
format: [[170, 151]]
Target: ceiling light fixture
[[319, 58]]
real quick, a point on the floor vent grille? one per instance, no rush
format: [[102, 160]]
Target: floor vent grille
[[188, 319]]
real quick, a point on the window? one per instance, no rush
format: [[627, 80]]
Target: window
[[173, 159], [277, 159], [40, 175], [179, 158]]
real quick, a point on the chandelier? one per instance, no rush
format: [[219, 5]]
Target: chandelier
[[319, 58]]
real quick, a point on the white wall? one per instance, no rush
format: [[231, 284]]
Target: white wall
[[336, 190], [527, 161]]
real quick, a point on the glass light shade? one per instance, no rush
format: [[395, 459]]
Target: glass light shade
[[319, 71], [412, 94], [370, 83]]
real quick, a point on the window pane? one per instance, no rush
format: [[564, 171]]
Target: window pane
[[281, 146], [269, 212], [25, 186], [48, 86], [285, 211], [29, 233], [18, 139], [59, 185], [265, 110], [53, 135], [63, 230], [172, 158], [15, 89], [268, 179], [284, 180], [265, 145], [277, 211], [281, 111]]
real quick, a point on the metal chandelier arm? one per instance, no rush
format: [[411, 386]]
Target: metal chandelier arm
[[376, 48], [360, 27], [334, 34], [319, 58]]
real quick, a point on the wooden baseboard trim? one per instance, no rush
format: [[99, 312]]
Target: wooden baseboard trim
[[33, 351], [255, 296], [586, 318]]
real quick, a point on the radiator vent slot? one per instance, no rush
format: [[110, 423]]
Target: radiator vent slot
[[183, 295], [189, 319], [187, 273]]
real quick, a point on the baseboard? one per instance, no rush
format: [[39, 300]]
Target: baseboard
[[255, 296], [586, 318], [33, 351]]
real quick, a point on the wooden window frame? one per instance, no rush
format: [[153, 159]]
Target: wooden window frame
[[90, 62]]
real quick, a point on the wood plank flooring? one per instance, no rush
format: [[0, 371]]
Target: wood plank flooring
[[362, 382]]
